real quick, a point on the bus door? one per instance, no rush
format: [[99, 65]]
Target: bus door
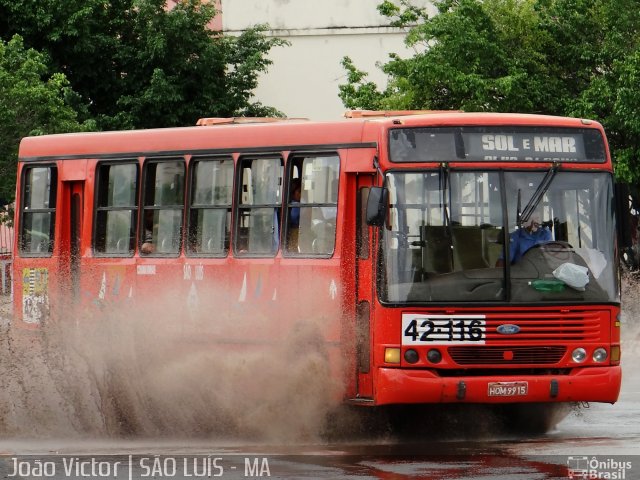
[[364, 292], [71, 235]]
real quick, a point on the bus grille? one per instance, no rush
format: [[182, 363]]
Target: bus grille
[[480, 355], [546, 326]]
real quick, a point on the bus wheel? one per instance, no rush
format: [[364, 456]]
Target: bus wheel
[[533, 418], [356, 422]]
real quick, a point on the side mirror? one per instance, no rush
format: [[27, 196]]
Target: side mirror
[[628, 224], [377, 206]]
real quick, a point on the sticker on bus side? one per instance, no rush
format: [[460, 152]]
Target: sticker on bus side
[[426, 329], [146, 270], [35, 295]]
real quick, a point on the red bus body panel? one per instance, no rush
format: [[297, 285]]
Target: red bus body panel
[[597, 384], [267, 297]]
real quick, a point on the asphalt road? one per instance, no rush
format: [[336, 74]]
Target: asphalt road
[[53, 428]]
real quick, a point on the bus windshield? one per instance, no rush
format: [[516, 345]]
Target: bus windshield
[[454, 236]]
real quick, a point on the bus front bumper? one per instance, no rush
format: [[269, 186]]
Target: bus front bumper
[[588, 384]]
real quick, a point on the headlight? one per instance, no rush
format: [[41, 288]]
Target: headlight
[[579, 355], [599, 355]]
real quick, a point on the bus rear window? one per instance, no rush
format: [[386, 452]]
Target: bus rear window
[[38, 210]]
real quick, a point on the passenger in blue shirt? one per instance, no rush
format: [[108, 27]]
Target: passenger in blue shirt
[[294, 215], [524, 238], [294, 218]]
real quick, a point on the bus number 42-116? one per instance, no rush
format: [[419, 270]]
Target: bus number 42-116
[[441, 330]]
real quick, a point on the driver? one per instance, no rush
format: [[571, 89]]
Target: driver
[[524, 238]]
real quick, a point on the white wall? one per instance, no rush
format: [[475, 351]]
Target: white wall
[[304, 77]]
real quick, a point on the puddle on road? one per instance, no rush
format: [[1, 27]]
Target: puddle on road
[[135, 376], [127, 378]]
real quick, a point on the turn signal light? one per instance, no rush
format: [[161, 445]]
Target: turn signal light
[[392, 355], [615, 353]]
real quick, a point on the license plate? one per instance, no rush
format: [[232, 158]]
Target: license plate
[[508, 389], [428, 329]]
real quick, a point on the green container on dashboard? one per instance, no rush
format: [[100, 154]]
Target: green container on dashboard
[[548, 285]]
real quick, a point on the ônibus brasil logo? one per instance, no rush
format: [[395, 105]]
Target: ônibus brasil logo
[[597, 468]]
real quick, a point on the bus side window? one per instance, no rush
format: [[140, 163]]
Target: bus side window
[[260, 195], [210, 209], [311, 217], [38, 209], [161, 229], [116, 212]]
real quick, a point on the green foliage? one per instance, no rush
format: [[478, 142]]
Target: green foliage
[[33, 101], [119, 64], [358, 93], [559, 57], [135, 64]]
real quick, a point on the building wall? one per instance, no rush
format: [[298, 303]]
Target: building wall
[[304, 78]]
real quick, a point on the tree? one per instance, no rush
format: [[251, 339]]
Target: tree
[[558, 57], [33, 101], [610, 90], [136, 64], [466, 58]]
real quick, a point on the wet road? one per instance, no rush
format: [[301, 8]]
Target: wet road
[[596, 439], [606, 434]]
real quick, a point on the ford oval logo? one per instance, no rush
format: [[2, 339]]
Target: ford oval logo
[[508, 329]]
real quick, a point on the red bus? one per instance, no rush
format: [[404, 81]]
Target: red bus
[[393, 249]]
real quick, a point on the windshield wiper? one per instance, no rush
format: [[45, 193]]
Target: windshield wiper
[[443, 180], [523, 217], [443, 175]]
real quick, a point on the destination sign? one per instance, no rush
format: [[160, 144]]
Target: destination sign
[[532, 148], [496, 144]]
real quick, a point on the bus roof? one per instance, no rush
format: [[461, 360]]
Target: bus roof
[[262, 136]]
